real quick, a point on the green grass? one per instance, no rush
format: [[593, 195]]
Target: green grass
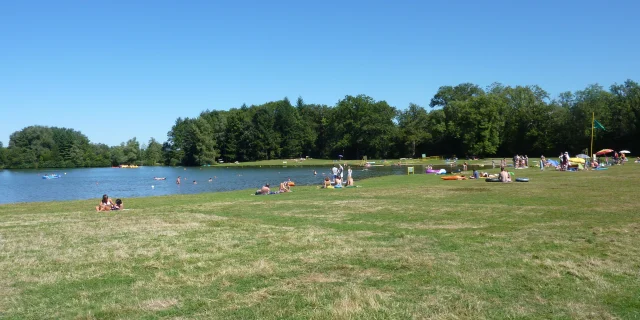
[[565, 245]]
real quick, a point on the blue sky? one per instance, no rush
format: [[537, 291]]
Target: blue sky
[[121, 69]]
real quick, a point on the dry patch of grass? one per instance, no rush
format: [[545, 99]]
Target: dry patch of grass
[[353, 300], [158, 304]]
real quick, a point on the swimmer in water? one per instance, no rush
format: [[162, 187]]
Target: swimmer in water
[[178, 180], [194, 182], [210, 179], [315, 173]]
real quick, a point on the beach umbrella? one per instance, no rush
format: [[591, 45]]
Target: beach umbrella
[[603, 151], [625, 151], [583, 156]]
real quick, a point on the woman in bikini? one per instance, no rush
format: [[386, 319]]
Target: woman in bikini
[[105, 204]]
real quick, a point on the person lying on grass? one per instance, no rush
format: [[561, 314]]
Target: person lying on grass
[[265, 189]]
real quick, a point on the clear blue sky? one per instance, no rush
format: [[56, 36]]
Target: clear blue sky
[[121, 69]]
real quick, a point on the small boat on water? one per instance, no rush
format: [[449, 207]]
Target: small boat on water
[[51, 176]]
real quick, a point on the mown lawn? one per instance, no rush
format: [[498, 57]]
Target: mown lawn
[[565, 245]]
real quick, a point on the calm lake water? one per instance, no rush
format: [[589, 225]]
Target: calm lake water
[[92, 183]]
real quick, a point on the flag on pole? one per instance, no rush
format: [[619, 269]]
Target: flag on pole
[[597, 125]]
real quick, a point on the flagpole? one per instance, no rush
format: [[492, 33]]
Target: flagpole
[[593, 122]]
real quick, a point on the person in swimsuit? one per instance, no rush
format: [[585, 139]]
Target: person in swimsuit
[[105, 204], [118, 206], [265, 189], [284, 187], [338, 182], [178, 180], [504, 176], [327, 182]]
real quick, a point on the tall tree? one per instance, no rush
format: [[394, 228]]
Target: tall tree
[[3, 156], [153, 152], [413, 124], [131, 151], [480, 124]]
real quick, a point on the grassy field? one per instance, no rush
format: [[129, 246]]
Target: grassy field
[[565, 245]]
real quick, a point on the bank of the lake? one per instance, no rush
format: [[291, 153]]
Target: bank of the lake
[[86, 183], [561, 246]]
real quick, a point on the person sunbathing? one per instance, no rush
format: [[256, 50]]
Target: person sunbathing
[[327, 182], [284, 187], [504, 176], [107, 204], [118, 206]]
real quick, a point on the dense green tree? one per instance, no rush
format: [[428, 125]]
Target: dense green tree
[[289, 128], [362, 126], [202, 142], [463, 120], [263, 140], [413, 124], [153, 152], [314, 119], [3, 156], [131, 151], [479, 124]]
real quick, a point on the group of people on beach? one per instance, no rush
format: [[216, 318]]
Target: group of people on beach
[[520, 162], [336, 179], [285, 186]]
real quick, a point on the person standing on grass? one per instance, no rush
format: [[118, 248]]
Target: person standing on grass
[[334, 172], [341, 171], [542, 163], [349, 176], [493, 164]]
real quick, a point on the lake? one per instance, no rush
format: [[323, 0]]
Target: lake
[[92, 183]]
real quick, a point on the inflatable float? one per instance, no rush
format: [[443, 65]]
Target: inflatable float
[[51, 176], [453, 178], [522, 179], [431, 171], [492, 180], [291, 183], [577, 160]]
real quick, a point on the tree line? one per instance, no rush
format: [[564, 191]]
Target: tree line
[[462, 120]]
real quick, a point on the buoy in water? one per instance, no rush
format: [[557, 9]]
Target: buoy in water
[[153, 187]]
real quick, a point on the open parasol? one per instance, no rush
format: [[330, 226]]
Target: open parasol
[[583, 156], [625, 151], [603, 151]]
